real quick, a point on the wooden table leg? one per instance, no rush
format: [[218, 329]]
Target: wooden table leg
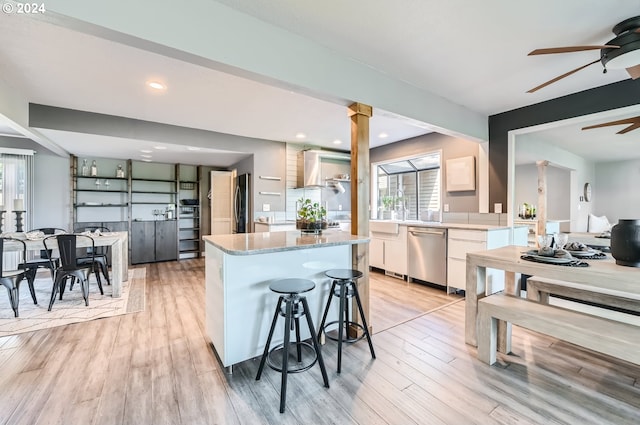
[[125, 258], [512, 288], [475, 289], [119, 267]]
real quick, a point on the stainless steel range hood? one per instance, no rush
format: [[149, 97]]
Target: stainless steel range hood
[[310, 166]]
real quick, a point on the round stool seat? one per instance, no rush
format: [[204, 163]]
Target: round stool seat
[[292, 286], [343, 274]]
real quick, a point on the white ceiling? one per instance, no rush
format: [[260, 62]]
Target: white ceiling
[[470, 52]]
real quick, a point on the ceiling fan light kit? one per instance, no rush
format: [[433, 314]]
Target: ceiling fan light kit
[[623, 51], [628, 39]]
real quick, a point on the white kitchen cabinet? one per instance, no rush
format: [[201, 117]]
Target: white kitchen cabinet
[[376, 252], [463, 241], [388, 248]]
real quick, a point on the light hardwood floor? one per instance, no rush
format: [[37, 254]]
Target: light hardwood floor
[[156, 367]]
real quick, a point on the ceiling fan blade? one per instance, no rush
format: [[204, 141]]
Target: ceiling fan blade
[[561, 76], [633, 120], [634, 72], [570, 49], [630, 128]]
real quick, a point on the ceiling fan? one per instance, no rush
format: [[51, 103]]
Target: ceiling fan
[[634, 123], [623, 51]]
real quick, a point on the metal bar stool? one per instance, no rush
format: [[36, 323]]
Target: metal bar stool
[[295, 306], [344, 287]]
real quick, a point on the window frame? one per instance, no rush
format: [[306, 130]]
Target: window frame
[[374, 213]]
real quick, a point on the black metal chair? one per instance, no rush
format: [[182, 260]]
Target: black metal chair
[[69, 268], [11, 279], [31, 266], [98, 256]]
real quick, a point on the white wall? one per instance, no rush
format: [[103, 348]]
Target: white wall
[[558, 190], [582, 171], [615, 190]]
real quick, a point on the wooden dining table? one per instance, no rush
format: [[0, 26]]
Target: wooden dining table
[[601, 274], [118, 241]]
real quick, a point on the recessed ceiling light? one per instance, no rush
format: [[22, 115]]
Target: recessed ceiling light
[[146, 156], [301, 136], [383, 135], [145, 160], [156, 85], [193, 148], [337, 142], [145, 151], [160, 147]]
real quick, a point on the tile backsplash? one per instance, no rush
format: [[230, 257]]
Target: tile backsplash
[[475, 218]]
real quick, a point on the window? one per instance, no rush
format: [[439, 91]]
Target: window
[[16, 187], [406, 187]]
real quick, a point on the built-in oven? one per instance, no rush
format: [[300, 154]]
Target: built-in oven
[[427, 254]]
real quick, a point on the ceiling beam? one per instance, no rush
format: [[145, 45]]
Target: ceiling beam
[[14, 112]]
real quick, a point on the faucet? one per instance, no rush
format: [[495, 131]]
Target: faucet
[[401, 202]]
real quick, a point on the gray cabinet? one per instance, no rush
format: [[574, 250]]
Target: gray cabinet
[[153, 241]]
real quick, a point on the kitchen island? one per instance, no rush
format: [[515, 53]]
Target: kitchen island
[[238, 271]]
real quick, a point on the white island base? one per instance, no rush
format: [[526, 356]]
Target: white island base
[[239, 304]]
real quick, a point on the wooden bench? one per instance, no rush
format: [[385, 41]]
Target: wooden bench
[[606, 336], [539, 288]]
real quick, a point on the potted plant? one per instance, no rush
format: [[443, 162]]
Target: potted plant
[[388, 203], [311, 215]]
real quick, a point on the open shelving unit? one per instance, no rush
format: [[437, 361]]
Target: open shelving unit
[[99, 195], [138, 203], [189, 214]]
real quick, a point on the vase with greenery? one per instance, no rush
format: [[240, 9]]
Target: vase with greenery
[[311, 215], [388, 203]]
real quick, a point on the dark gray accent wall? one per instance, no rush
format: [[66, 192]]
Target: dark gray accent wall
[[467, 201], [612, 96]]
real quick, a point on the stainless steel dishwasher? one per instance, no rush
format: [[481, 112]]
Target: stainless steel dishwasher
[[428, 254]]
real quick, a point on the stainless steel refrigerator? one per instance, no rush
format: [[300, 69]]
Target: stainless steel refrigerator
[[241, 204]]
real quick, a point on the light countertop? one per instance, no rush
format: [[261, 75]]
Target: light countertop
[[462, 226], [261, 243], [535, 220]]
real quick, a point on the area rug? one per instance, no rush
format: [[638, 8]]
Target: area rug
[[71, 309]]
